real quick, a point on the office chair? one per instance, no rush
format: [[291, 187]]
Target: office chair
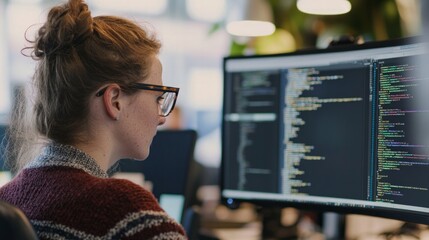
[[14, 225]]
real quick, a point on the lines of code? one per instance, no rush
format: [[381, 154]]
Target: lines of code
[[253, 125], [324, 106], [403, 166]]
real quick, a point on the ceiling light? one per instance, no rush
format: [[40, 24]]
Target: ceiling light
[[324, 7], [150, 7], [207, 10], [250, 28], [256, 20]]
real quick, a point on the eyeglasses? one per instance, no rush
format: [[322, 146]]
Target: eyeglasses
[[166, 101]]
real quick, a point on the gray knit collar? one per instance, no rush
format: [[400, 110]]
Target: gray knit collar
[[55, 154]]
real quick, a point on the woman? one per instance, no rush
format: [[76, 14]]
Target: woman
[[98, 98]]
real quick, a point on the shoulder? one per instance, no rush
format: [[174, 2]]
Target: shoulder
[[125, 192], [136, 211]]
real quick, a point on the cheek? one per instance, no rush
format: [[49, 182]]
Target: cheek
[[138, 136], [148, 118], [146, 121]]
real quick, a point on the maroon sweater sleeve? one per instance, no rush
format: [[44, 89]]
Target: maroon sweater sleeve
[[144, 218], [69, 203]]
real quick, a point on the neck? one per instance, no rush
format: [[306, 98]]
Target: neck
[[99, 141], [103, 154]]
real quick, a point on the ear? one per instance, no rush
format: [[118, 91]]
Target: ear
[[112, 104]]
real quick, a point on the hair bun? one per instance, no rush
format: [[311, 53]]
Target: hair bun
[[67, 26]]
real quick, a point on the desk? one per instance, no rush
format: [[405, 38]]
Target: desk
[[225, 224], [251, 231], [246, 223]]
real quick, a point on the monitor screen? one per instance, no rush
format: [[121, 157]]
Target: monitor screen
[[340, 129], [3, 143], [5, 174]]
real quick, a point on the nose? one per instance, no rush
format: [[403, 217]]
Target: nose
[[162, 120]]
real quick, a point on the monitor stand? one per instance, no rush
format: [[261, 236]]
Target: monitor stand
[[333, 226]]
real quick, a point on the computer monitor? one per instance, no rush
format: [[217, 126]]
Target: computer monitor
[[5, 174], [169, 169], [3, 128], [338, 129]]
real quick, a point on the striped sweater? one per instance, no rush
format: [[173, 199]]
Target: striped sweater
[[66, 195]]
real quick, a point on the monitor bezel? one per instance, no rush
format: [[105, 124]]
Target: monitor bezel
[[391, 213]]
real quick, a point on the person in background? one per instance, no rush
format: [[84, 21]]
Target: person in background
[[98, 98]]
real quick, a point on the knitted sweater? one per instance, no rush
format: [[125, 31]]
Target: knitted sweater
[[66, 195]]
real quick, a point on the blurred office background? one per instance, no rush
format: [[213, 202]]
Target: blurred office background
[[195, 40]]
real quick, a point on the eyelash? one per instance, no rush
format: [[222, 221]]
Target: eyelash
[[160, 98]]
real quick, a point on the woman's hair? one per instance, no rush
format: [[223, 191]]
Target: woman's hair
[[76, 54]]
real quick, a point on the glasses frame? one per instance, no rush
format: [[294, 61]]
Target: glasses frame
[[150, 87]]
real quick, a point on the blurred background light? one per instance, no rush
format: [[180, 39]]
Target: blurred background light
[[206, 10], [5, 98], [324, 7], [255, 20], [23, 20], [150, 7], [250, 28], [206, 88], [26, 1]]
